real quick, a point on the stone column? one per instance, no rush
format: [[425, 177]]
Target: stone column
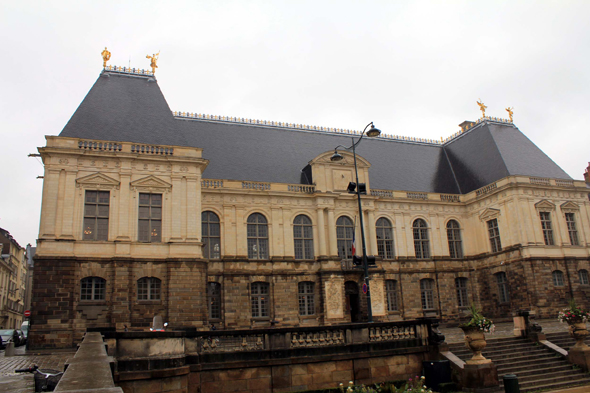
[[193, 210], [372, 240], [69, 193], [124, 228], [333, 245], [177, 217], [321, 232], [49, 204]]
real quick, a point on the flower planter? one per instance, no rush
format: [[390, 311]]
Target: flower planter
[[578, 331], [475, 340]]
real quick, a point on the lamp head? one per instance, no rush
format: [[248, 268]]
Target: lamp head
[[373, 132], [336, 156]]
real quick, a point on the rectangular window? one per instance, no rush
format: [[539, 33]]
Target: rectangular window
[[391, 292], [96, 215], [461, 287], [214, 294], [494, 235], [546, 225], [503, 295], [571, 228], [306, 298], [427, 292], [150, 218], [259, 298]]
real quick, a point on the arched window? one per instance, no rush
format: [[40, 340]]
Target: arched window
[[503, 294], [583, 274], [384, 238], [214, 300], [149, 288], [344, 235], [391, 293], [427, 293], [210, 232], [461, 287], [454, 237], [93, 288], [259, 299], [558, 278], [257, 237], [421, 242], [306, 298], [303, 237]]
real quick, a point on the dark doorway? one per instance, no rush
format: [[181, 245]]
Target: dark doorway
[[351, 290]]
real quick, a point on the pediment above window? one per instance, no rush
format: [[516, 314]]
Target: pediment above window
[[150, 183], [98, 181], [545, 205], [348, 159], [570, 207], [489, 214]]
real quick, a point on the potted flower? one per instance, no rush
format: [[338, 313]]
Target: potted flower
[[576, 318], [474, 331]]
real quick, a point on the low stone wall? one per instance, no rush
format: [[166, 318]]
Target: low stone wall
[[269, 360], [90, 370]]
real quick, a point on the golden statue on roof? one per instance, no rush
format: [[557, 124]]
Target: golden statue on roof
[[510, 113], [482, 107], [154, 59], [106, 56]]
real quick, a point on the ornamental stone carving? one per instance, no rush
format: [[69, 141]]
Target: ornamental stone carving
[[334, 307]]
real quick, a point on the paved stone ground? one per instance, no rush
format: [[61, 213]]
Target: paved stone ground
[[24, 383], [504, 329]]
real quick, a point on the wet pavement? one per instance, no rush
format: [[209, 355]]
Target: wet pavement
[[24, 383]]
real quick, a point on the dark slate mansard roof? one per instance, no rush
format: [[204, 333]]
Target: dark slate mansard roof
[[130, 108]]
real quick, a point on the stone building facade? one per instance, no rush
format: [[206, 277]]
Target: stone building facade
[[13, 284], [248, 224]]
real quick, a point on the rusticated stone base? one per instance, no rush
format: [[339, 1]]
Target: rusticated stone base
[[479, 377], [580, 357]]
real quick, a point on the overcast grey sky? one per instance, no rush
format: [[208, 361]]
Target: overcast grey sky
[[415, 68]]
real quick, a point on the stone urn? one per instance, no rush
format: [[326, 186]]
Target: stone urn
[[578, 331], [475, 340]]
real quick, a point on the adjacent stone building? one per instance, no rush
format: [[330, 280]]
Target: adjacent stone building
[[13, 281], [246, 223]]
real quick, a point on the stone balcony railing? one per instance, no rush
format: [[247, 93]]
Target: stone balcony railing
[[153, 350]]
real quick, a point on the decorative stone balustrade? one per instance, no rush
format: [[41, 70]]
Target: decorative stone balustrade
[[303, 189], [487, 189], [237, 343], [417, 195], [317, 339], [450, 198], [212, 183], [248, 185]]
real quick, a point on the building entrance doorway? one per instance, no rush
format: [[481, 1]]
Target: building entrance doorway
[[351, 290]]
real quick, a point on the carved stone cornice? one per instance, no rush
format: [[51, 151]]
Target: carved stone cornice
[[98, 181], [150, 183]]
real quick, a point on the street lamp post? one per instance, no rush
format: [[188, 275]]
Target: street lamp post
[[358, 189]]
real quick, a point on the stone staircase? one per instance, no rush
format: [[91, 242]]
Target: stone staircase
[[537, 368], [563, 340]]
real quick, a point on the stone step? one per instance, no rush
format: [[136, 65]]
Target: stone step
[[527, 370], [534, 363], [561, 375], [553, 383], [512, 358]]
